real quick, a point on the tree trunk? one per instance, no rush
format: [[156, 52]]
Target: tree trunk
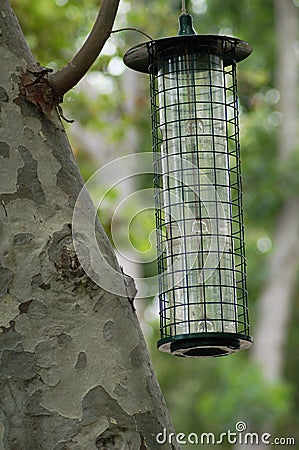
[[74, 369], [274, 304], [275, 301]]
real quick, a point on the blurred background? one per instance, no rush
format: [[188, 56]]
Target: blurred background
[[110, 109]]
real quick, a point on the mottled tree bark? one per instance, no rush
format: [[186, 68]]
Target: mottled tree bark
[[75, 372]]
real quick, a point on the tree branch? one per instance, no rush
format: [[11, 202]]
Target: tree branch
[[66, 78]]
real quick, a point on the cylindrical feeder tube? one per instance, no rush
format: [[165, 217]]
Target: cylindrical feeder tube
[[198, 195]]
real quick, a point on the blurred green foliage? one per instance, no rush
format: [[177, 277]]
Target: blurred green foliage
[[202, 395], [214, 394]]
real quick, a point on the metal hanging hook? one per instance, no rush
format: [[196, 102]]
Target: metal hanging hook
[[184, 7]]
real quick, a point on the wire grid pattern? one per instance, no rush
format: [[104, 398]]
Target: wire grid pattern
[[198, 190]]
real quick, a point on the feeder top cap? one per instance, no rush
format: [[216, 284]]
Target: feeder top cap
[[230, 49], [186, 25]]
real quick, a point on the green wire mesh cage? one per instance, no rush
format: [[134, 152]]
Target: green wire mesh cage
[[198, 191]]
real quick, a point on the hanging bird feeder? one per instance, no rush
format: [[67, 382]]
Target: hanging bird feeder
[[198, 198]]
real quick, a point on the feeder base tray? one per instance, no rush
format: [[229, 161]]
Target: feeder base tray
[[199, 345]]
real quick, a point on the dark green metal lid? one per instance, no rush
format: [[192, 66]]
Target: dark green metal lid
[[229, 48]]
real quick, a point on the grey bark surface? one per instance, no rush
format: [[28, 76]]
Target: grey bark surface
[[75, 372]]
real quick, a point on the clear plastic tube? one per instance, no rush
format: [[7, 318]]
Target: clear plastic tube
[[196, 195]]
